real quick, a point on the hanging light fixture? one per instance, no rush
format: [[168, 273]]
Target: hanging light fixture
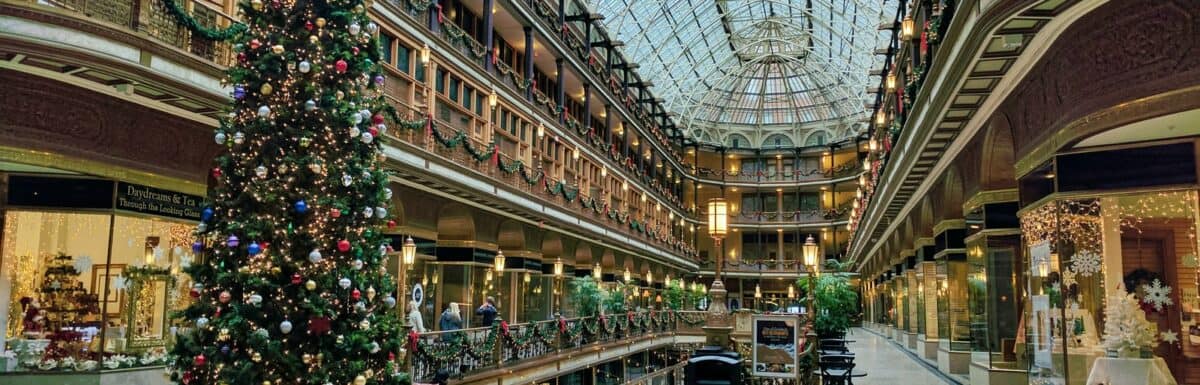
[[891, 82], [527, 278], [541, 130], [757, 291], [881, 118], [627, 275], [575, 154], [604, 172], [558, 268], [596, 272], [791, 291], [499, 261], [493, 99], [409, 251], [858, 193], [810, 252], [649, 278], [906, 28], [667, 281], [867, 164], [425, 54], [873, 145]]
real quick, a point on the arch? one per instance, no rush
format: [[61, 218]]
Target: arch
[[816, 138], [924, 225], [952, 193], [738, 141], [777, 141], [511, 236], [998, 166], [455, 223]]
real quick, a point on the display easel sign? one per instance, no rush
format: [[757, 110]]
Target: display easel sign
[[774, 353]]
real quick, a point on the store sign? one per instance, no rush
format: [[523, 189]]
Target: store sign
[[774, 353], [149, 200], [418, 294]]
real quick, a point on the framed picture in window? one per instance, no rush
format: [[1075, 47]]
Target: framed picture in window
[[106, 276]]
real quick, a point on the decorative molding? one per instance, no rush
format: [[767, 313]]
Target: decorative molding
[[991, 196], [949, 224], [924, 241]]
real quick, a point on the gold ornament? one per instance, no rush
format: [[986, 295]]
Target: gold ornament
[[313, 39], [358, 8], [306, 358], [371, 293], [369, 373], [277, 49], [275, 270], [360, 380], [364, 325], [223, 334], [266, 89], [340, 339], [266, 382], [256, 4], [256, 357], [310, 285], [304, 142], [339, 95], [320, 22]]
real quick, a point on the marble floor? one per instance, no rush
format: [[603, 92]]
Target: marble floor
[[886, 364]]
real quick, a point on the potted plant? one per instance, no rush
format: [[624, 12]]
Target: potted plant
[[836, 300], [585, 297]]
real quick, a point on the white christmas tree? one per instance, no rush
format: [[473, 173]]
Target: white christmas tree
[[1125, 325]]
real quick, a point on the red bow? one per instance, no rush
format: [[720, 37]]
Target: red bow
[[412, 341], [440, 15], [504, 327], [562, 324]]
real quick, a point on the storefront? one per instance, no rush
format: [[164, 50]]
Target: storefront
[[90, 270], [1099, 224]]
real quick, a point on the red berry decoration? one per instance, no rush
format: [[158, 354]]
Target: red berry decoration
[[343, 245], [199, 360], [296, 278], [340, 66], [355, 295]]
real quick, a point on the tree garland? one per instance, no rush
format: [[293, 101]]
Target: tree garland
[[187, 21]]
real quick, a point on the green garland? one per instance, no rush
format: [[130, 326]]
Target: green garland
[[187, 21]]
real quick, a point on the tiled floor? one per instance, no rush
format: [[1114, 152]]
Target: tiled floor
[[885, 364]]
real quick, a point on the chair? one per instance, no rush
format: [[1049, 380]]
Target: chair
[[836, 373]]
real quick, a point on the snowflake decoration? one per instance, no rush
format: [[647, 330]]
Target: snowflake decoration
[[83, 263], [1169, 337], [1068, 278], [1086, 263], [120, 283], [1157, 295]]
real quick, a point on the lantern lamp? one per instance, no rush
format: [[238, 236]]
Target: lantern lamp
[[499, 261]]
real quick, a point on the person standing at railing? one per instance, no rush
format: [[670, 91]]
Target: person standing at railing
[[451, 318], [487, 312], [415, 321]]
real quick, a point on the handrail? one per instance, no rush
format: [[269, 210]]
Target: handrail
[[467, 351]]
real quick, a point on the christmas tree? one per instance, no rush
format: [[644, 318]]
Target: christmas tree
[[292, 287]]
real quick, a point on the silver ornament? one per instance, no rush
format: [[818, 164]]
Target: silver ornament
[[305, 66], [239, 138], [368, 212], [372, 28], [264, 111], [285, 326], [387, 193], [255, 299], [354, 28], [354, 132], [314, 256], [344, 283], [262, 333], [374, 347], [201, 322], [310, 105], [380, 212], [360, 307], [347, 180], [382, 128], [202, 227], [364, 325], [389, 301], [220, 138], [358, 264], [367, 137], [260, 171], [356, 118]]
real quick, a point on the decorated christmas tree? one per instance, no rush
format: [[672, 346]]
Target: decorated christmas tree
[[292, 288]]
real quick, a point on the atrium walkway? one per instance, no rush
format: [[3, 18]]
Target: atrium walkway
[[886, 364]]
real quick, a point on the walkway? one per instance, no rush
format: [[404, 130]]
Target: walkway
[[886, 364]]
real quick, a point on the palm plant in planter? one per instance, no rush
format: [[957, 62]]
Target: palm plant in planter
[[836, 300], [585, 296]]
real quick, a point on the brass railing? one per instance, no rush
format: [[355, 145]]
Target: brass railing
[[152, 18], [468, 351]]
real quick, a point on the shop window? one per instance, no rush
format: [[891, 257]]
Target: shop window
[[440, 83], [402, 58], [455, 82], [385, 45]]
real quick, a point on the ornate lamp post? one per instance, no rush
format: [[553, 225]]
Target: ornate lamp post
[[811, 250], [558, 274], [408, 255], [718, 326]]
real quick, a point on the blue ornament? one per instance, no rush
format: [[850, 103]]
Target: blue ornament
[[379, 80], [206, 214], [225, 349], [254, 248], [301, 207], [197, 246], [239, 92], [233, 241]]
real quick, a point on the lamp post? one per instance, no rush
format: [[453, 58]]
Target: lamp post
[[408, 254], [810, 250], [558, 274], [718, 326]]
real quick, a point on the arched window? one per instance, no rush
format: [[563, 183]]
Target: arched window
[[777, 141], [816, 138], [738, 141]]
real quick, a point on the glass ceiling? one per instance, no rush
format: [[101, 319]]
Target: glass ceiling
[[750, 69]]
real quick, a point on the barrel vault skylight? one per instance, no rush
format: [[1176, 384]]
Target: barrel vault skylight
[[755, 73]]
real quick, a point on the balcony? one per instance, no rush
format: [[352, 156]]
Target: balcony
[[772, 177], [798, 217]]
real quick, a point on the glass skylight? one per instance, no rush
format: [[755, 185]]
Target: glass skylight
[[755, 68]]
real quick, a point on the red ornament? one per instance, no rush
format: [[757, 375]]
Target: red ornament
[[343, 245], [355, 295], [308, 25], [391, 224], [217, 313], [378, 118], [241, 56], [216, 172], [391, 356], [224, 297], [296, 278], [199, 360], [354, 50], [195, 293], [254, 44], [374, 131], [340, 66], [335, 213], [318, 325], [187, 377]]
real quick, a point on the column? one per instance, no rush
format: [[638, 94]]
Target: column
[[489, 36], [586, 114], [435, 11], [528, 60], [562, 91]]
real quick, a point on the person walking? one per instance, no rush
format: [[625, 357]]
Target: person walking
[[415, 320], [487, 312]]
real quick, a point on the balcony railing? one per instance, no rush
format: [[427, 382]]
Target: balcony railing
[[798, 216], [766, 176], [155, 19], [476, 350]]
